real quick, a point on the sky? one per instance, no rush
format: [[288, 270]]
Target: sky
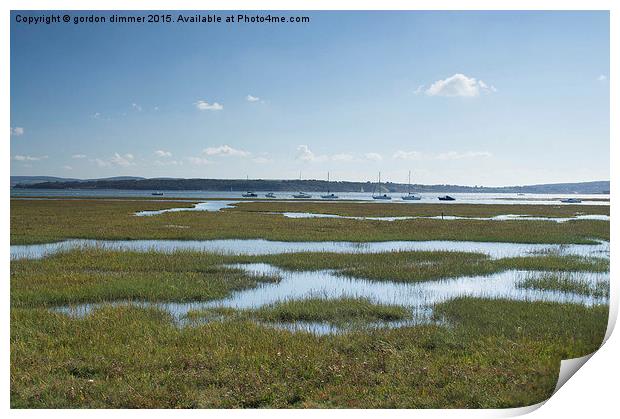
[[469, 98]]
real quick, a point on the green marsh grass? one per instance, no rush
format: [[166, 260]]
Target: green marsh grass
[[96, 275], [565, 282], [424, 266], [338, 311], [48, 221], [370, 209], [496, 354], [489, 353]]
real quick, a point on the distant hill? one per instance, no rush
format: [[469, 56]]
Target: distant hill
[[37, 179], [310, 185], [43, 179]]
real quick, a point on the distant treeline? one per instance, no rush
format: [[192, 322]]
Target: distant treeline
[[599, 187]]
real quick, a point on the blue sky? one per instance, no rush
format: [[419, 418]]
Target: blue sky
[[486, 98]]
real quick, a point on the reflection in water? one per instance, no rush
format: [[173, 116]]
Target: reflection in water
[[265, 247], [210, 206], [418, 297], [506, 217]]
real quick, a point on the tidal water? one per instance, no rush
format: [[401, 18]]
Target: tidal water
[[267, 247], [327, 284], [463, 198]]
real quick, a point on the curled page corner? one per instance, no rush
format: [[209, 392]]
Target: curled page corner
[[568, 367]]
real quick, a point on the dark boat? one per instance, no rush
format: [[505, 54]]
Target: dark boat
[[157, 193], [446, 198], [249, 194]]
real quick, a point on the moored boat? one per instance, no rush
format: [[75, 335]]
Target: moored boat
[[410, 196], [446, 198], [329, 195], [270, 195], [249, 194], [302, 195], [383, 196], [571, 200]]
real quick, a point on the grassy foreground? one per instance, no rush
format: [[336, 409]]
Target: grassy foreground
[[130, 357], [47, 221]]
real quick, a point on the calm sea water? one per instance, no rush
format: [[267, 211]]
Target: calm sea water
[[467, 198]]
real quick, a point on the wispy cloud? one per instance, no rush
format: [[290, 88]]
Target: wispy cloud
[[17, 131], [305, 154], [168, 163], [373, 156], [251, 98], [602, 77], [78, 156], [67, 167], [342, 157], [225, 150], [20, 157], [203, 105], [458, 85], [450, 155], [198, 161], [122, 160], [163, 153], [136, 107]]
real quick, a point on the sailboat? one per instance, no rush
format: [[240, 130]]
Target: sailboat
[[410, 196], [384, 196], [301, 195], [329, 195]]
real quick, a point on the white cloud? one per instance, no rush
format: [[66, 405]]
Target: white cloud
[[459, 85], [305, 154], [78, 156], [20, 157], [163, 153], [198, 160], [602, 77], [251, 98], [225, 150], [450, 155], [206, 106], [373, 156], [136, 107], [17, 131], [67, 167], [419, 90]]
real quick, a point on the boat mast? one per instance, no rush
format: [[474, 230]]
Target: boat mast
[[409, 184]]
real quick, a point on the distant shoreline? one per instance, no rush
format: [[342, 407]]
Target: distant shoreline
[[259, 185]]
